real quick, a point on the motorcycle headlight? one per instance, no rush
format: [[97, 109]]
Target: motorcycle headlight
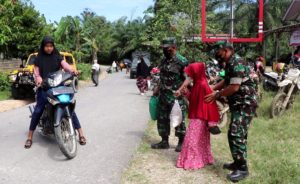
[[12, 78], [56, 81]]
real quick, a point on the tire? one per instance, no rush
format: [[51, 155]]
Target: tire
[[265, 86], [223, 115], [276, 107], [15, 93], [64, 129], [131, 76]]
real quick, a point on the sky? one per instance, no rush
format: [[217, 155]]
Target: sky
[[111, 9]]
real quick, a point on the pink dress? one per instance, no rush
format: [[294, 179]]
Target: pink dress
[[196, 150]]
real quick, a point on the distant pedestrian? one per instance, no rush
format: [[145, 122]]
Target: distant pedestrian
[[142, 73], [114, 66], [95, 72]]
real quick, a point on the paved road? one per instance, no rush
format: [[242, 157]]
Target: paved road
[[113, 116]]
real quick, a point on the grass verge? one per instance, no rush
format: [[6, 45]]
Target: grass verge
[[274, 154], [5, 95]]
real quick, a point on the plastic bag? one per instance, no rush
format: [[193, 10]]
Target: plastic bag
[[176, 115], [149, 84], [153, 107]]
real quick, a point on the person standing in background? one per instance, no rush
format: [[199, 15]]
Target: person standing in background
[[114, 66], [95, 72], [142, 73]]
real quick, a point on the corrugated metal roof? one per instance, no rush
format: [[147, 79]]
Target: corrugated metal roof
[[293, 12]]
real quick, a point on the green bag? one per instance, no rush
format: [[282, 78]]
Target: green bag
[[153, 103]]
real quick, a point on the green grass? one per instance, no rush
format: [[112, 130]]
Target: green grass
[[4, 95], [85, 70], [273, 153], [273, 146]]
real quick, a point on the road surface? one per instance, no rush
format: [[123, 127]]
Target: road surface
[[114, 118]]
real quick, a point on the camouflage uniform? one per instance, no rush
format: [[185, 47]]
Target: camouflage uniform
[[171, 78], [242, 104]]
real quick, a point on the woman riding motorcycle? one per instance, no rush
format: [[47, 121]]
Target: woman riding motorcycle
[[48, 61]]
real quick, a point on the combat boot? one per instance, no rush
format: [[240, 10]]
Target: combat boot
[[164, 144], [239, 174], [179, 145], [230, 166]]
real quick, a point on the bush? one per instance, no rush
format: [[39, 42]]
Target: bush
[[85, 70], [4, 84]]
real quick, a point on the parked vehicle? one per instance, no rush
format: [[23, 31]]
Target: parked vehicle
[[288, 89], [61, 88], [22, 80], [272, 79]]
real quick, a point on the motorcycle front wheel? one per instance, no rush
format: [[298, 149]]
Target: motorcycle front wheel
[[66, 137], [277, 108]]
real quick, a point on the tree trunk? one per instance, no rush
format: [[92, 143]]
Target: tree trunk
[[94, 55]]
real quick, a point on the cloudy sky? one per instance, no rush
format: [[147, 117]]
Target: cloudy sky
[[111, 9]]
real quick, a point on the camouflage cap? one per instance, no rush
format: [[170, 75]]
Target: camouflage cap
[[168, 42]]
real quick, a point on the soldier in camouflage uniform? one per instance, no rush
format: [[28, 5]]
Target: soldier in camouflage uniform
[[240, 90], [171, 78]]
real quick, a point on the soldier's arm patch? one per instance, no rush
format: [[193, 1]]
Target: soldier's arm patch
[[239, 71], [236, 80]]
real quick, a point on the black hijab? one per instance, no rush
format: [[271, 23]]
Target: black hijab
[[143, 69], [45, 41], [48, 63]]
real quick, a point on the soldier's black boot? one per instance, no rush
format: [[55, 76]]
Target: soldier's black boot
[[164, 144], [179, 145], [230, 166], [239, 174]]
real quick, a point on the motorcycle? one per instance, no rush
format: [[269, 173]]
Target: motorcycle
[[56, 119], [155, 79], [256, 74], [271, 79], [288, 89]]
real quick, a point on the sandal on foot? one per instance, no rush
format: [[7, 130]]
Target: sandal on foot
[[82, 140], [28, 144]]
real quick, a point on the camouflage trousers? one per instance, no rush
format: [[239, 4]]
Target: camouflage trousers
[[238, 132], [163, 120]]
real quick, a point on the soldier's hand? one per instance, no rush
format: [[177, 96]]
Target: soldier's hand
[[177, 93], [210, 98]]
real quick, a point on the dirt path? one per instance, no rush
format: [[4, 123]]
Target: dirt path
[[7, 105], [150, 166]]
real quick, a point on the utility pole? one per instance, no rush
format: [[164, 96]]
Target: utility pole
[[231, 18]]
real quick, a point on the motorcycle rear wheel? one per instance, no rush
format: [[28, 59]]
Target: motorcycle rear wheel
[[276, 108], [66, 138]]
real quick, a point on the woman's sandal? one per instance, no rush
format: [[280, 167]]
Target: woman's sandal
[[28, 144], [82, 140]]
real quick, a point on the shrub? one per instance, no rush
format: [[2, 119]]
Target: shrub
[[4, 84], [85, 70]]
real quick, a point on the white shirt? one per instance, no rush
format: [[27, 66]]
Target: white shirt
[[96, 67]]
